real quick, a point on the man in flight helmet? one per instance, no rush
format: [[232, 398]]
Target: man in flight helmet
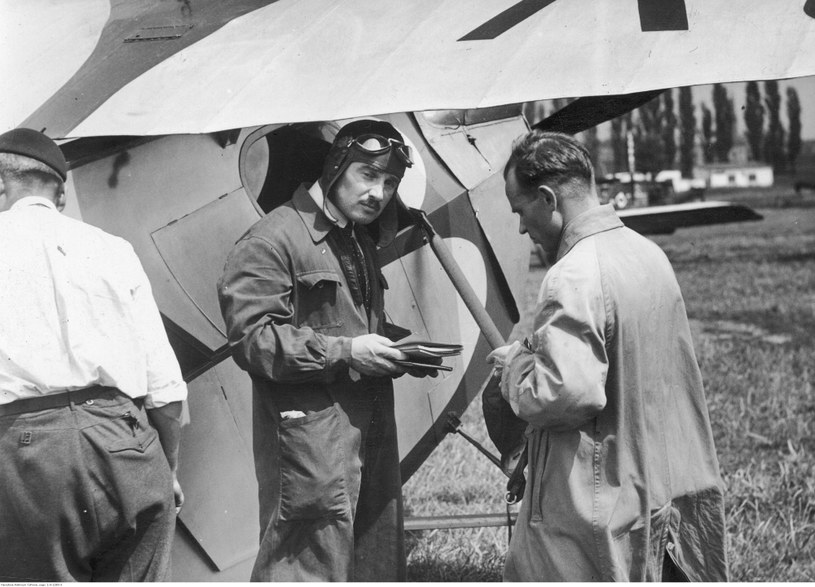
[[302, 295]]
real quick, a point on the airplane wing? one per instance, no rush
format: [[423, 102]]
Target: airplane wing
[[148, 67], [666, 219]]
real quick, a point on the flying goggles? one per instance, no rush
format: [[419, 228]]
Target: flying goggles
[[374, 145]]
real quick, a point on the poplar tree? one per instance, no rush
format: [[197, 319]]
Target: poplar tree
[[592, 143], [794, 118], [707, 134], [754, 120], [648, 149], [668, 129], [725, 119], [618, 144], [687, 132], [774, 139]]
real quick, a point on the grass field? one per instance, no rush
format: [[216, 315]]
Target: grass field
[[750, 292]]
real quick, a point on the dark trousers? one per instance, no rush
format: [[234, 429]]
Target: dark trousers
[[330, 487], [85, 492]]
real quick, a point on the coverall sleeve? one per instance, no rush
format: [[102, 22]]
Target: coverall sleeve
[[560, 383], [255, 293]]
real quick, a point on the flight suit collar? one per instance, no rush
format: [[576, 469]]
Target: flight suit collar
[[590, 222], [316, 222]]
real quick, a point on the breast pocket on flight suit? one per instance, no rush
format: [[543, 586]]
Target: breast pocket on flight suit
[[317, 299]]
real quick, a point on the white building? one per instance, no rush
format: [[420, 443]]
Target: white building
[[737, 175]]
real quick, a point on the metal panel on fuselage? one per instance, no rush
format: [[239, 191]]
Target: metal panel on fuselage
[[140, 190]]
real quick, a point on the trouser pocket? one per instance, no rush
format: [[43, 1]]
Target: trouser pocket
[[312, 467]]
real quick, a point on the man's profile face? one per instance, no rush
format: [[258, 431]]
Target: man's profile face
[[535, 218], [363, 191]]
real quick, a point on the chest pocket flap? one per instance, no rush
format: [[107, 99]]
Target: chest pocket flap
[[318, 296], [312, 279]]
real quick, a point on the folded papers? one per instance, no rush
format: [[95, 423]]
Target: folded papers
[[426, 354]]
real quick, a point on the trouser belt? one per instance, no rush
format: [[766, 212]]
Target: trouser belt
[[56, 400]]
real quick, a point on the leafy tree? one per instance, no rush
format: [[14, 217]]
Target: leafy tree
[[794, 118], [754, 119], [668, 129], [687, 132], [707, 134], [774, 139], [725, 121]]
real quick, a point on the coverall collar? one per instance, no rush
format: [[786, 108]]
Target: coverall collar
[[316, 222], [596, 220]]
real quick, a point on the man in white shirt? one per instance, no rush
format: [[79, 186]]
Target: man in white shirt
[[88, 384]]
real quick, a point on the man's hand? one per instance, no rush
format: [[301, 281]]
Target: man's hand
[[371, 355], [419, 372], [178, 493], [167, 422], [498, 357]]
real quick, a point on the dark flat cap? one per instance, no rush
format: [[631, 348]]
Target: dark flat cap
[[30, 143]]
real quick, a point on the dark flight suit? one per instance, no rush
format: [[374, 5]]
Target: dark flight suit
[[329, 482]]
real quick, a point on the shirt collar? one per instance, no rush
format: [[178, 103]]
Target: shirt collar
[[327, 206], [312, 215], [34, 201], [588, 223]]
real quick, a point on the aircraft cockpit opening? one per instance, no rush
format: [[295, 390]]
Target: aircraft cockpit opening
[[275, 159]]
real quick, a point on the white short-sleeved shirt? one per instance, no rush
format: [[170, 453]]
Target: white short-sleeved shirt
[[76, 310]]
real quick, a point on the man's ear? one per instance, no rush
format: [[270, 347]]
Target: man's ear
[[3, 196], [548, 195], [59, 198]]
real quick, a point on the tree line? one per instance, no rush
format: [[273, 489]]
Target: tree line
[[663, 137], [666, 132]]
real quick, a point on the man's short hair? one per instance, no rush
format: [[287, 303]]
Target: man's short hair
[[22, 169], [542, 157]]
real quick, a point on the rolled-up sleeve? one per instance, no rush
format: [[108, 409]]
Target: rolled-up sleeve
[[255, 293], [560, 383], [164, 380]]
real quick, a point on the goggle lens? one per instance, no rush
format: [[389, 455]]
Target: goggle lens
[[377, 145]]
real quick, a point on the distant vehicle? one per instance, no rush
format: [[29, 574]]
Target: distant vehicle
[[804, 181], [615, 191], [804, 185], [668, 187], [683, 188]]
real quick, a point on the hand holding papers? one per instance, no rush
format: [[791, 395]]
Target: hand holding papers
[[424, 354]]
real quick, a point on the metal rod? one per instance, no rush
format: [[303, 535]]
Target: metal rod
[[460, 521], [460, 282], [454, 425], [495, 460]]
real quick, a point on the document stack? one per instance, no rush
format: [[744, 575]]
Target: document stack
[[425, 354]]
